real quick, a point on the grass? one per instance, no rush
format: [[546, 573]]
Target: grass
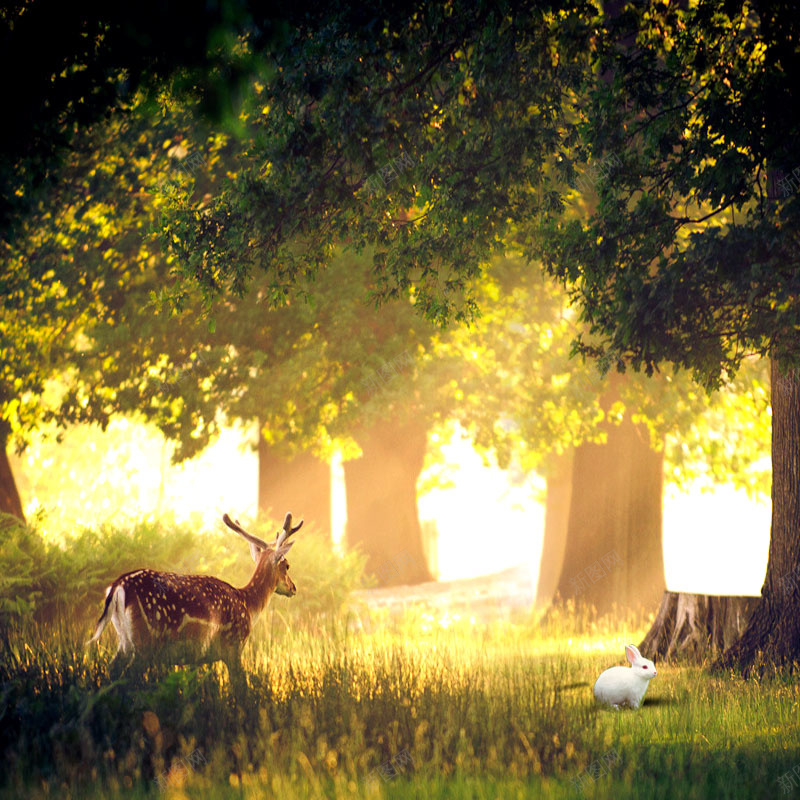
[[462, 711]]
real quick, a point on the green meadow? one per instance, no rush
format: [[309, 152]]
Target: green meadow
[[360, 706]]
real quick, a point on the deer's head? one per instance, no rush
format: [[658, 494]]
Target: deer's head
[[273, 555]]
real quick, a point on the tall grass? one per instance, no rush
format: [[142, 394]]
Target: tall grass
[[478, 710], [321, 709]]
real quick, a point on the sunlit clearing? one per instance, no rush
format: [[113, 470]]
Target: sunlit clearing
[[488, 520]]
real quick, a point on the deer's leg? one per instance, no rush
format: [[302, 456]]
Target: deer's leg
[[232, 656]]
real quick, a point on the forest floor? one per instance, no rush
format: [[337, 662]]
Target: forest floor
[[430, 703]]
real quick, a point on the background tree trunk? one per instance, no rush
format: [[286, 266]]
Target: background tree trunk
[[381, 489], [614, 538], [556, 523], [301, 485], [10, 502], [693, 626], [772, 636]]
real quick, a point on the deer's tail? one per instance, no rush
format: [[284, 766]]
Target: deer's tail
[[116, 594]]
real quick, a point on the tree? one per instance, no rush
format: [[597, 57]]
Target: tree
[[690, 258], [312, 375], [381, 490], [473, 106], [614, 553], [10, 502], [604, 477], [75, 69], [558, 500], [81, 342], [47, 302], [298, 369], [521, 396]]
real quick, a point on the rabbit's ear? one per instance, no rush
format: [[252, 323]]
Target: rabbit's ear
[[633, 654]]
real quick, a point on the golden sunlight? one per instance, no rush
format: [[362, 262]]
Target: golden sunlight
[[485, 521]]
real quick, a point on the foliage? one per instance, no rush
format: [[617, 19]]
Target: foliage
[[426, 132], [303, 191], [712, 437], [75, 67], [300, 368], [691, 256], [303, 369], [76, 261], [520, 392]]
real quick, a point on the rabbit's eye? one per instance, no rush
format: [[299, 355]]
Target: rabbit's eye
[[645, 666]]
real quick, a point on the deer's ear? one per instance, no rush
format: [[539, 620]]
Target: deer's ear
[[255, 551], [282, 551]]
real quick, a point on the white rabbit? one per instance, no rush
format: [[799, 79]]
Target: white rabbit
[[626, 686]]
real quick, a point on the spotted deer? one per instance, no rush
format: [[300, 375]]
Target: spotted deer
[[199, 617]]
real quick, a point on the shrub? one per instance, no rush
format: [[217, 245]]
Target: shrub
[[44, 581]]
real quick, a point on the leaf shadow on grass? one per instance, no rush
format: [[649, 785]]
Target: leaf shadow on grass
[[660, 701], [580, 685]]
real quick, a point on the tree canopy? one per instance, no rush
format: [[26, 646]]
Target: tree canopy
[[428, 134]]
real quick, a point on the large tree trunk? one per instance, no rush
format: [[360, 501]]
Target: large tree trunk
[[382, 515], [301, 485], [556, 524], [772, 636], [614, 553], [10, 502], [693, 626]]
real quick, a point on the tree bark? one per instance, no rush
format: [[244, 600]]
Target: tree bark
[[556, 524], [772, 636], [693, 626], [614, 555], [301, 485], [10, 502], [382, 515]]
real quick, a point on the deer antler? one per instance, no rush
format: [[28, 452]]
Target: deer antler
[[235, 526], [287, 530]]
